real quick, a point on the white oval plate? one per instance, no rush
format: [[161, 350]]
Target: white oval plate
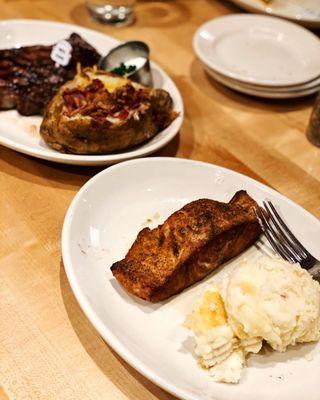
[[101, 224], [304, 12], [21, 133], [258, 49], [257, 91]]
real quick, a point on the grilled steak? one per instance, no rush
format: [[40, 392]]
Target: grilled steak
[[29, 78], [190, 244]]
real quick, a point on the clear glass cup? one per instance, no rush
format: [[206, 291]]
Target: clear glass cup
[[114, 12]]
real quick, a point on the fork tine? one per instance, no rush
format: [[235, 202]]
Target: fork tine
[[266, 228], [288, 231], [285, 240], [281, 239]]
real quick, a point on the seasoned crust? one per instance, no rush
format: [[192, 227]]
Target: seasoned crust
[[29, 77], [190, 244]]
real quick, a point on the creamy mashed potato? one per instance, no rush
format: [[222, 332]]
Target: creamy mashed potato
[[266, 300]]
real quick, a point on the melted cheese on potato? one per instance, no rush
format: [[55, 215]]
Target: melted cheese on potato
[[111, 83]]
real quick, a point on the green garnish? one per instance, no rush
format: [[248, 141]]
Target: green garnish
[[123, 70]]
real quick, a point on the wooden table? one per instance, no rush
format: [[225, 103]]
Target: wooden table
[[48, 349]]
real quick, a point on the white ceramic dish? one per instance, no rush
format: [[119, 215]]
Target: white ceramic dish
[[258, 49], [304, 12], [258, 92], [102, 222], [315, 83], [21, 133]]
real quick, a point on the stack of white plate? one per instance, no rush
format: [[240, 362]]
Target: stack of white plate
[[260, 56]]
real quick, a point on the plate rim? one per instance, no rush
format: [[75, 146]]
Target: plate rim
[[264, 94], [308, 21], [102, 159], [206, 61], [107, 335]]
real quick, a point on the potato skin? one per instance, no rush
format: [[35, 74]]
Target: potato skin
[[83, 135]]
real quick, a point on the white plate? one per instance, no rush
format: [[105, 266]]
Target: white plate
[[21, 133], [256, 91], [305, 12], [258, 49], [314, 84], [102, 222]]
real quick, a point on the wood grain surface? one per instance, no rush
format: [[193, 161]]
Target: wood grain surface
[[48, 349]]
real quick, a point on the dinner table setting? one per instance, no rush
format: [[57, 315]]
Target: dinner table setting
[[160, 199]]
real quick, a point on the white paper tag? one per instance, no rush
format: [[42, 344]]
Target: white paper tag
[[61, 53]]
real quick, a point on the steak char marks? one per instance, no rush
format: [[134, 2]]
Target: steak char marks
[[29, 78], [189, 245]]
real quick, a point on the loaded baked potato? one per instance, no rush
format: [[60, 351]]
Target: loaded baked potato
[[100, 112]]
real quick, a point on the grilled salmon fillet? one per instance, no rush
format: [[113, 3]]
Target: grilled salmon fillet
[[189, 245]]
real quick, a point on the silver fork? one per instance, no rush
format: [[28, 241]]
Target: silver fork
[[282, 240]]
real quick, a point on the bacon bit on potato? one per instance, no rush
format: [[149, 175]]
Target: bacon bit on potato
[[95, 100]]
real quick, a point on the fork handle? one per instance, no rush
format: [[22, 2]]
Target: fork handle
[[315, 271]]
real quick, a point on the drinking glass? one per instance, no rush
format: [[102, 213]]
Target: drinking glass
[[313, 131], [114, 12]]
